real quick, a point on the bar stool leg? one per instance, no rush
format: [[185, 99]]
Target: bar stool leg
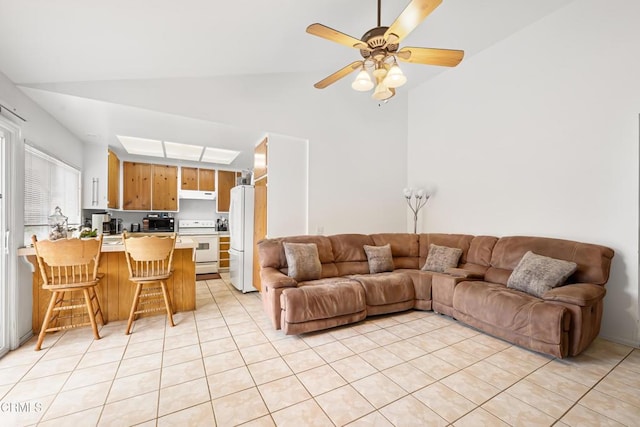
[[98, 310], [45, 322], [92, 317], [134, 307], [167, 302]]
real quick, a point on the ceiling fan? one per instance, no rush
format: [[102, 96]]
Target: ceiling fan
[[380, 53]]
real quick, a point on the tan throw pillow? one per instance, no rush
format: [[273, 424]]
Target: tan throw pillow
[[303, 261], [441, 257], [380, 258], [537, 274]]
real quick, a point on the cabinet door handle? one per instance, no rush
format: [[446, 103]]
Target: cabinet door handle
[[94, 192]]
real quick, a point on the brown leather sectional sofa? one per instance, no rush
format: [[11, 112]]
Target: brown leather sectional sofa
[[563, 322]]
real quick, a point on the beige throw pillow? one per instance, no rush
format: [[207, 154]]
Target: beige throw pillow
[[303, 261], [441, 257], [379, 257], [537, 274]]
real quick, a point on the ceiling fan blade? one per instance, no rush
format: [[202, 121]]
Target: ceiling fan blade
[[335, 36], [338, 75], [424, 55], [409, 19]]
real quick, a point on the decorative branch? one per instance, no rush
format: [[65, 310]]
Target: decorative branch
[[416, 201]]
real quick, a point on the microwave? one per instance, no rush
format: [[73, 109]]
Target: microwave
[[158, 224]]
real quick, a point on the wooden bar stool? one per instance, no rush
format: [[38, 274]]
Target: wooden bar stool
[[150, 262], [69, 266]]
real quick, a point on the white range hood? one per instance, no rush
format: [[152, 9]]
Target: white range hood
[[197, 195]]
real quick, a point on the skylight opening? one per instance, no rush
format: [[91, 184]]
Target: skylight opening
[[176, 150], [142, 146], [219, 155]]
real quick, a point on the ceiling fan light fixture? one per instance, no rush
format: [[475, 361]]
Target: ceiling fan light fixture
[[395, 77], [363, 82], [382, 92]]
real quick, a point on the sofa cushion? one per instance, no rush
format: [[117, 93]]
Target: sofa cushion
[[537, 274], [303, 261], [405, 248], [379, 258], [386, 288], [441, 257]]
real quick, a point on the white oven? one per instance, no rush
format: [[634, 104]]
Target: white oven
[[204, 233]]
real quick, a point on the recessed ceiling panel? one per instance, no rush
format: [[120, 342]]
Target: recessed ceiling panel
[[218, 155], [175, 150], [141, 146]]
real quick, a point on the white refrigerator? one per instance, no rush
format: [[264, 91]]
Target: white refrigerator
[[241, 237]]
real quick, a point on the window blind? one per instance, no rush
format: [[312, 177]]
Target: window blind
[[48, 183]]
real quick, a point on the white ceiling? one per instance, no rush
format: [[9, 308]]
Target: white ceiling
[[44, 42]]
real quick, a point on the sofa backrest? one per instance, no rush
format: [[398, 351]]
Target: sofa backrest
[[349, 254], [462, 241], [271, 253], [594, 261], [405, 248]]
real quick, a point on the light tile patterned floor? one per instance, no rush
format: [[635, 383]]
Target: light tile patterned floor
[[224, 365]]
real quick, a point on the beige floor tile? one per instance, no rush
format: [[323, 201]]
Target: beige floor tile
[[375, 419], [182, 340], [359, 343], [427, 343], [547, 401], [343, 332], [512, 364], [77, 400], [384, 321], [13, 374], [199, 415], [144, 348], [480, 418], [405, 350], [140, 364], [307, 413], [243, 328], [581, 416], [382, 337], [456, 357], [222, 362], [134, 410], [446, 336], [408, 377], [516, 412], [88, 417], [444, 401], [573, 371], [632, 361], [379, 390], [492, 342], [52, 367], [403, 331], [607, 350], [265, 421], [558, 384], [344, 405], [381, 358], [212, 334], [321, 380], [365, 326], [290, 345], [470, 387], [258, 353], [249, 339], [615, 409], [492, 374], [422, 326], [303, 360], [133, 385], [283, 392], [22, 356], [30, 415], [229, 382], [4, 389], [333, 351], [625, 376], [353, 368], [314, 339], [620, 390], [474, 348], [409, 411], [100, 357], [88, 376], [181, 355], [181, 396], [222, 345], [182, 372], [269, 370], [36, 388], [239, 407]]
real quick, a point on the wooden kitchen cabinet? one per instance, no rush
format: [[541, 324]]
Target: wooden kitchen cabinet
[[136, 182], [164, 193], [113, 178], [226, 181], [189, 178], [223, 252], [206, 180]]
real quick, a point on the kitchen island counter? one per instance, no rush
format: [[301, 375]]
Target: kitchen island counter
[[115, 291]]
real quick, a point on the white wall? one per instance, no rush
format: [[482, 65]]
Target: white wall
[[538, 135], [42, 131], [287, 188], [357, 150]]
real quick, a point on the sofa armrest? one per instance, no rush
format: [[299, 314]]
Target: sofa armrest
[[276, 279], [461, 272], [581, 294]]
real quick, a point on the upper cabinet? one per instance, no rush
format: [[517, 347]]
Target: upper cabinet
[[226, 181], [101, 179], [149, 187], [197, 179]]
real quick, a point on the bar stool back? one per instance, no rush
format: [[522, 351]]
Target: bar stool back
[[150, 262], [69, 266]]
